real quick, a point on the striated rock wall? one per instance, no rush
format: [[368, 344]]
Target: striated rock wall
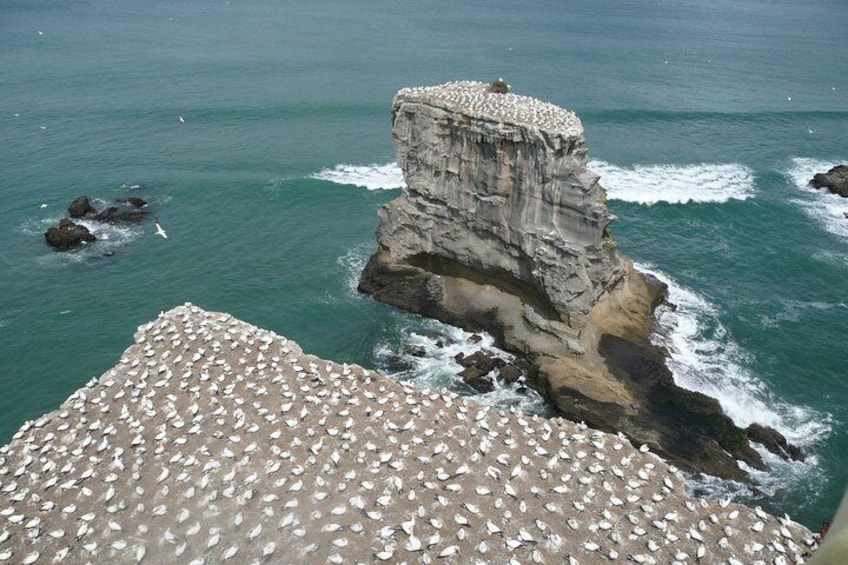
[[501, 228], [498, 183]]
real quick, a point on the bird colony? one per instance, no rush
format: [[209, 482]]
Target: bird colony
[[215, 441], [475, 100]]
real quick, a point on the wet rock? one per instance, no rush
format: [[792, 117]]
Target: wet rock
[[477, 379], [687, 427], [774, 441], [416, 351], [134, 201], [80, 206], [510, 373], [479, 360], [475, 338], [835, 180], [68, 235], [125, 213], [109, 215]]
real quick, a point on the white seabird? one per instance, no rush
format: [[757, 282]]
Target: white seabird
[[159, 230]]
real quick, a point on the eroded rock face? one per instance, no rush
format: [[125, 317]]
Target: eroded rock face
[[501, 228], [497, 183], [835, 180]]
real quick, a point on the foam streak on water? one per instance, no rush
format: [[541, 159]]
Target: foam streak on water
[[828, 209], [704, 358], [373, 177], [675, 184]]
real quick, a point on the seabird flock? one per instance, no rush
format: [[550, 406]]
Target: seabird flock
[[216, 441], [474, 99]]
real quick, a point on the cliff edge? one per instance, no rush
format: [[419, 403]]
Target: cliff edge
[[500, 227]]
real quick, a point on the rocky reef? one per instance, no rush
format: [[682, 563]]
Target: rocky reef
[[502, 228], [835, 180]]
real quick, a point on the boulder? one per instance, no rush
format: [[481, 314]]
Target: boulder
[[68, 235], [110, 215], [133, 201], [510, 373], [477, 379], [479, 360], [774, 441], [119, 214], [80, 207], [835, 180]]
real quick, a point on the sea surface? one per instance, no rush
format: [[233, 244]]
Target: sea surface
[[259, 132]]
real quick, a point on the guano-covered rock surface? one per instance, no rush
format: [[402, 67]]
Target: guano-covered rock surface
[[214, 441]]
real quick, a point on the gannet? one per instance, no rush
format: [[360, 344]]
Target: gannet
[[159, 230]]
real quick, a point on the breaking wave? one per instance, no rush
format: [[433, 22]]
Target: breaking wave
[[829, 210], [675, 184], [703, 357], [373, 177]]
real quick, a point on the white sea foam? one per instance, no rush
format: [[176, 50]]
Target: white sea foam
[[794, 310], [704, 358], [373, 177], [828, 209], [425, 350], [352, 262], [675, 184]]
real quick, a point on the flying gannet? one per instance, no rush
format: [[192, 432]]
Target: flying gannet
[[159, 230]]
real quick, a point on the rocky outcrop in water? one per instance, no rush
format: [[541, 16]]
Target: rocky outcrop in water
[[835, 180], [500, 227], [68, 235], [79, 207]]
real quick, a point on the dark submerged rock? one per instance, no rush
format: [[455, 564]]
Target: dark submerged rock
[[510, 373], [110, 215], [835, 180], [68, 235], [134, 201], [774, 441], [80, 206], [479, 360], [416, 351], [477, 379]]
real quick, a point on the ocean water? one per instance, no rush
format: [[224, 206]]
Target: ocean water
[[260, 134]]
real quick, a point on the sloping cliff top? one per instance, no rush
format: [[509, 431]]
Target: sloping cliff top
[[474, 99], [215, 441]]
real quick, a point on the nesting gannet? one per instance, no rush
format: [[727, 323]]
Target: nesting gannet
[[159, 230]]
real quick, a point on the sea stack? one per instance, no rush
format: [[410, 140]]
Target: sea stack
[[501, 227]]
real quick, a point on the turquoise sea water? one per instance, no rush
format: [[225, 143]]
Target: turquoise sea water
[[705, 119]]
